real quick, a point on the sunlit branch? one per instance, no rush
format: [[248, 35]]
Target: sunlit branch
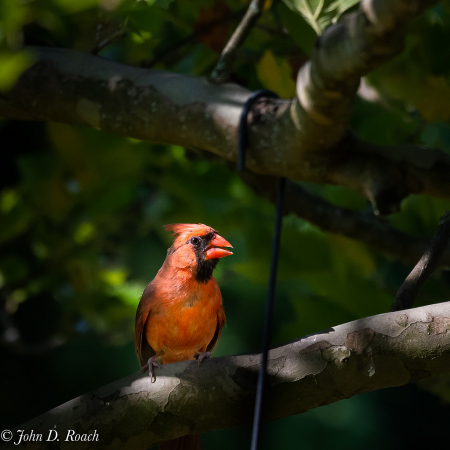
[[365, 355]]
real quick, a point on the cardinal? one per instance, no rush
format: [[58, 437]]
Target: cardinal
[[180, 315]]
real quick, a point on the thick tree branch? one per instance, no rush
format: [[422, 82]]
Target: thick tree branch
[[328, 82], [388, 174], [71, 87], [364, 227], [79, 88], [305, 138], [361, 356]]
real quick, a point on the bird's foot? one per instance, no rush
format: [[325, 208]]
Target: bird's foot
[[201, 356], [151, 364]]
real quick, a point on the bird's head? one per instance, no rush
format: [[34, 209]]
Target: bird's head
[[197, 247]]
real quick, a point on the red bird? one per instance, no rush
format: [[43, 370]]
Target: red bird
[[180, 315]]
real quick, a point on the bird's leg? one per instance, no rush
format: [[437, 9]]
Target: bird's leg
[[201, 356], [151, 364]]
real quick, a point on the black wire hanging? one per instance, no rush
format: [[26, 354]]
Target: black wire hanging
[[268, 314]]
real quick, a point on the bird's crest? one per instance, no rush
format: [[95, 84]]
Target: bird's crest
[[197, 229]]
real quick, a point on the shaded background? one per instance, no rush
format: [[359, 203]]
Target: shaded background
[[81, 216]]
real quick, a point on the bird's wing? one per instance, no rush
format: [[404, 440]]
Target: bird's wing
[[220, 324], [143, 349]]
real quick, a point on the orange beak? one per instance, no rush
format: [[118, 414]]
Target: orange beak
[[213, 251]]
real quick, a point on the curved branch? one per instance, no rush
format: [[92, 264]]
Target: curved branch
[[328, 82], [375, 232], [368, 354], [78, 88], [387, 174]]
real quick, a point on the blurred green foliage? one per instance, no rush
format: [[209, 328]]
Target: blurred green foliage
[[81, 211]]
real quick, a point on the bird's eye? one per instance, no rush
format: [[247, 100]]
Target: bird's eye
[[195, 241]]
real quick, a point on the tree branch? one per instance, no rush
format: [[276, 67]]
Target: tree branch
[[357, 44], [364, 227], [387, 174], [224, 66], [78, 88], [365, 355], [304, 139], [425, 267], [103, 41]]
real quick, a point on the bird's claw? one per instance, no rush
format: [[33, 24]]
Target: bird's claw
[[151, 364], [201, 356]]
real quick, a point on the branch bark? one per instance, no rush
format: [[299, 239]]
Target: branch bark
[[72, 87], [368, 354], [359, 43]]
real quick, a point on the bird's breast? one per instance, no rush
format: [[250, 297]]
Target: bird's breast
[[184, 323]]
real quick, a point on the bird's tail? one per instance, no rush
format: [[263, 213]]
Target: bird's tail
[[188, 442]]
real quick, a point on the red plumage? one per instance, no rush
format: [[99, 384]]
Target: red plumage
[[180, 315]]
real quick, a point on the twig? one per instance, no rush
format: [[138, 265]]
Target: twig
[[425, 267], [108, 40], [224, 66]]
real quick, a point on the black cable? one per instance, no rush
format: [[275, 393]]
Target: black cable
[[267, 329], [268, 315], [243, 124]]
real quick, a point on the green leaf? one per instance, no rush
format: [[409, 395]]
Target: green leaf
[[299, 30], [320, 13], [338, 7], [276, 74]]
